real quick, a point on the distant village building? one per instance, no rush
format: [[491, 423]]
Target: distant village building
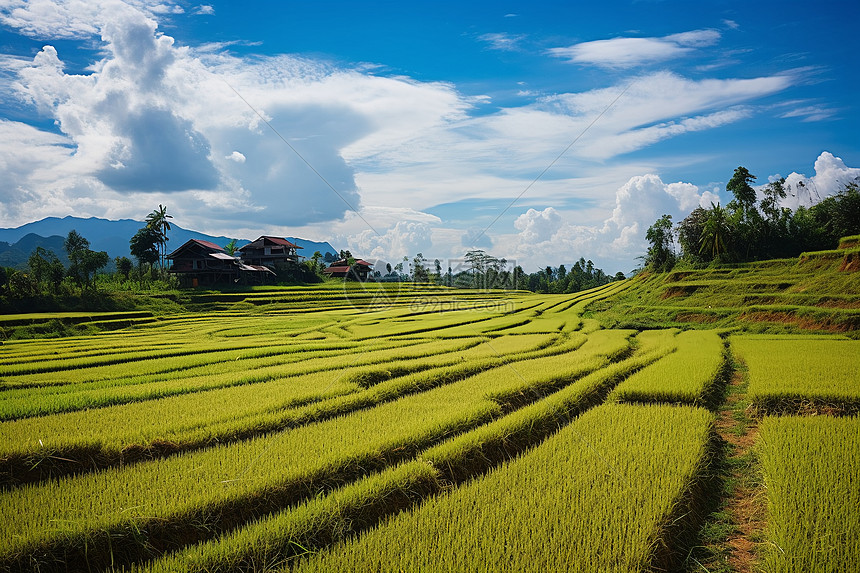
[[203, 263], [270, 252], [359, 270]]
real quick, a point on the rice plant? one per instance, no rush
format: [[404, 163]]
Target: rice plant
[[693, 374], [597, 496], [798, 373], [811, 468]]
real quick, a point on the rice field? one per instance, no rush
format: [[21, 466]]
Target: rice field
[[811, 468], [794, 373], [399, 428]]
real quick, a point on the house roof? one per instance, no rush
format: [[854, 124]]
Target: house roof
[[222, 256], [266, 238], [256, 268], [343, 263], [212, 247], [332, 270]]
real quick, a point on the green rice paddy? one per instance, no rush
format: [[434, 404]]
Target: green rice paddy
[[416, 428]]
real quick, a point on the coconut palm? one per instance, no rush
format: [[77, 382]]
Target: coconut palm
[[231, 248], [715, 233], [158, 221]]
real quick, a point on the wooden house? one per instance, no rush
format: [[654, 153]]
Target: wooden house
[[269, 252], [359, 270], [203, 263]]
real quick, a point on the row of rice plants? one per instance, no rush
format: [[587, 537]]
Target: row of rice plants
[[192, 352], [811, 467], [322, 521], [791, 374], [159, 340], [128, 511], [25, 351], [96, 441], [125, 383], [582, 299], [597, 496], [117, 433], [694, 374], [122, 384], [448, 324]]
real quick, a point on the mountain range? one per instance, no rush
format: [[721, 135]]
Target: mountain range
[[17, 243]]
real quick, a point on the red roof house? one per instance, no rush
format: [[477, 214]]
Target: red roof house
[[359, 270], [269, 252], [203, 263]]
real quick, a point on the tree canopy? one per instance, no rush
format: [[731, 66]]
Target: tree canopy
[[746, 230]]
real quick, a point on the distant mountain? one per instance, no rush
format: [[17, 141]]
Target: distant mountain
[[16, 254], [310, 247], [17, 243]]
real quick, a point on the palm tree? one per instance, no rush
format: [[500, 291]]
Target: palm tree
[[715, 232], [231, 248], [158, 221]]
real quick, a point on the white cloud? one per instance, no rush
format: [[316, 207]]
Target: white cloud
[[167, 9], [154, 117], [404, 239], [831, 176], [550, 237], [204, 10], [810, 113], [502, 42], [629, 52], [538, 226], [74, 19]]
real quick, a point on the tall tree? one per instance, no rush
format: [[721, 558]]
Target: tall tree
[[46, 268], [158, 221], [774, 192], [123, 266], [661, 255], [144, 247], [716, 233], [84, 261], [419, 271], [690, 234], [75, 246], [740, 187]]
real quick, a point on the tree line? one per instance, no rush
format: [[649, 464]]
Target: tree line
[[480, 270], [752, 229]]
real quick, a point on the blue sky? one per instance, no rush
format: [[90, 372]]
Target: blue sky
[[428, 126]]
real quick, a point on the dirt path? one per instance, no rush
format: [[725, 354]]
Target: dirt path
[[734, 531]]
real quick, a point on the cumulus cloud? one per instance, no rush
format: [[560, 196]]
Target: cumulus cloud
[[543, 234], [476, 238], [538, 226], [153, 117], [404, 239], [831, 176], [204, 10], [629, 52]]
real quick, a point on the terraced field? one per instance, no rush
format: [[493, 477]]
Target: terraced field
[[408, 428]]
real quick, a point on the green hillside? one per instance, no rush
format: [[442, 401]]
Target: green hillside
[[818, 291]]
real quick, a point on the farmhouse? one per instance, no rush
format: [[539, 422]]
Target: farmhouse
[[269, 252], [203, 263], [341, 268]]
